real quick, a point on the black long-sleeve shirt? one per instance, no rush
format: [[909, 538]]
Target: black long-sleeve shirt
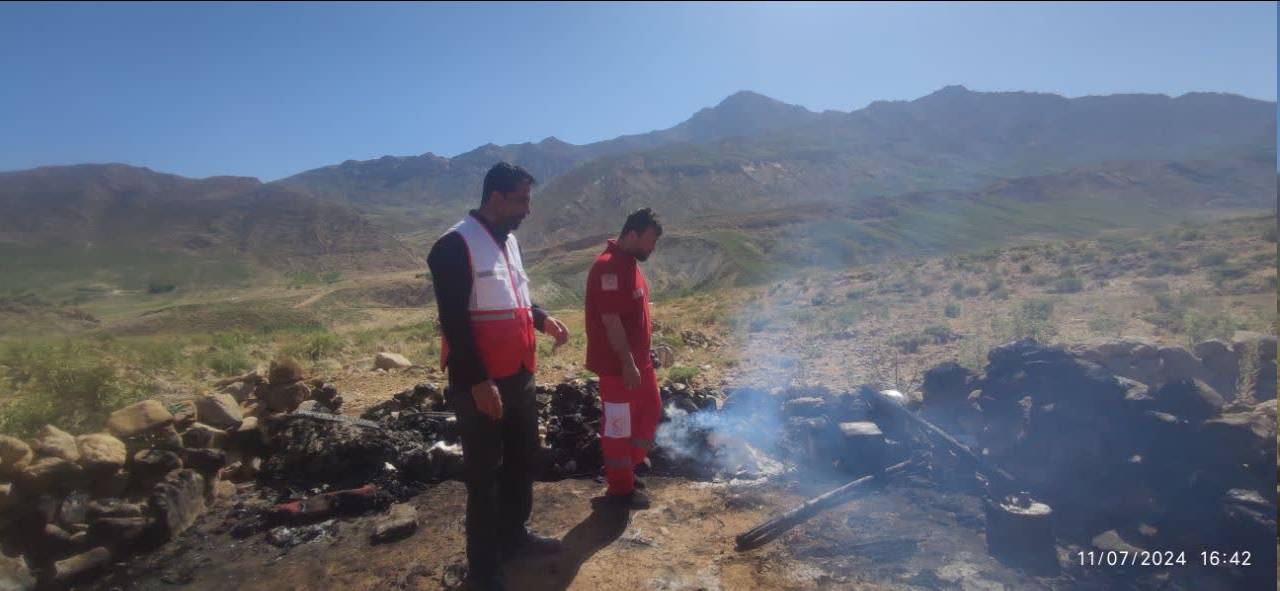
[[451, 279]]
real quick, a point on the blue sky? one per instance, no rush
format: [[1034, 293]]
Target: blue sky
[[269, 90]]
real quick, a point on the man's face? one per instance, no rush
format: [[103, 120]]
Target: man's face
[[645, 243], [512, 207]]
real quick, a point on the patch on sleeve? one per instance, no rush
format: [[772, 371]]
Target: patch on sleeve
[[609, 282]]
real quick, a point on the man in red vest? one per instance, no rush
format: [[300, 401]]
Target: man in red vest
[[618, 333], [488, 321]]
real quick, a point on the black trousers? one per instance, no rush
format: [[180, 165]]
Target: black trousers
[[499, 459]]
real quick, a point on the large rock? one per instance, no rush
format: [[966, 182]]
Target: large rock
[[66, 571], [286, 398], [1264, 345], [1178, 363], [1221, 365], [14, 574], [164, 439], [101, 451], [102, 508], [9, 496], [74, 509], [240, 391], [946, 385], [1189, 399], [204, 436], [177, 502], [285, 371], [804, 407], [51, 474], [54, 442], [139, 418], [206, 461], [220, 411], [15, 454], [1238, 435], [390, 361], [150, 465]]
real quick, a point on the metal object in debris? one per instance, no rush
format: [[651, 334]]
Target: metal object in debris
[[1020, 530]]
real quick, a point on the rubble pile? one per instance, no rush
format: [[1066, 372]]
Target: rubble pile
[[1170, 463]]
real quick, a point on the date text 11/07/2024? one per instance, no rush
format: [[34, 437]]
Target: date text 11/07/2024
[[1164, 558]]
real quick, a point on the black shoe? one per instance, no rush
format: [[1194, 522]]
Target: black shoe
[[636, 500], [640, 485], [527, 543], [485, 583]]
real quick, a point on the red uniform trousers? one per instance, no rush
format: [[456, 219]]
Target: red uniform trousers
[[629, 424]]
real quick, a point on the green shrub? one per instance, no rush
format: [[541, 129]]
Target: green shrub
[[154, 286], [682, 373], [1211, 259], [313, 346], [957, 289], [70, 384], [1269, 233], [994, 283], [1000, 294], [940, 333], [952, 310], [1069, 284], [972, 291], [1041, 280], [1025, 268], [855, 294], [908, 343]]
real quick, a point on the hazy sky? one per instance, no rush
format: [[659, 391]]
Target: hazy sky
[[270, 90]]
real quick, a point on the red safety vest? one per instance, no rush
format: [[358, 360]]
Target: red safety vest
[[500, 308]]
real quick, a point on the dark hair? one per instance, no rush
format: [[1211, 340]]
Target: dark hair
[[503, 177], [641, 220]]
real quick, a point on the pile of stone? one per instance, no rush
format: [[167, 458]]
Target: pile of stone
[[1165, 463], [69, 505], [1249, 359]]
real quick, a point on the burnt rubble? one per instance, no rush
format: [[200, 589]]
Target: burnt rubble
[[1168, 462]]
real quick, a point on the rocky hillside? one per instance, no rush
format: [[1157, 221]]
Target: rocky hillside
[[117, 215]]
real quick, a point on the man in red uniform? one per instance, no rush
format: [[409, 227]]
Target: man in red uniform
[[617, 318]]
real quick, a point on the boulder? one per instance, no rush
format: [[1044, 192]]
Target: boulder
[[150, 466], [401, 522], [139, 418], [1262, 381], [15, 455], [176, 502], [286, 398], [1238, 435], [220, 411], [240, 391], [946, 385], [51, 474], [14, 574], [285, 371], [1263, 345], [101, 451], [54, 442], [204, 436], [66, 571], [165, 438], [1110, 541], [1190, 399], [9, 497], [1178, 363], [206, 461], [1221, 365], [390, 361]]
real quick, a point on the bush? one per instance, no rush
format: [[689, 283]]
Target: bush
[[314, 346], [1152, 286], [1000, 294], [908, 343], [1070, 284], [994, 283], [1269, 234], [69, 384], [940, 333], [154, 286], [855, 294], [682, 373], [972, 291], [952, 310], [1041, 280], [957, 289], [1213, 259], [1025, 268]]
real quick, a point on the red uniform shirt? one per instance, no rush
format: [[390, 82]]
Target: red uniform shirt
[[615, 285]]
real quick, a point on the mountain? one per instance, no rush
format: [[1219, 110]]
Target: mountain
[[113, 215], [953, 139]]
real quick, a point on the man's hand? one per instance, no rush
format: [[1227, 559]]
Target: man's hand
[[487, 399], [557, 330], [630, 375]]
